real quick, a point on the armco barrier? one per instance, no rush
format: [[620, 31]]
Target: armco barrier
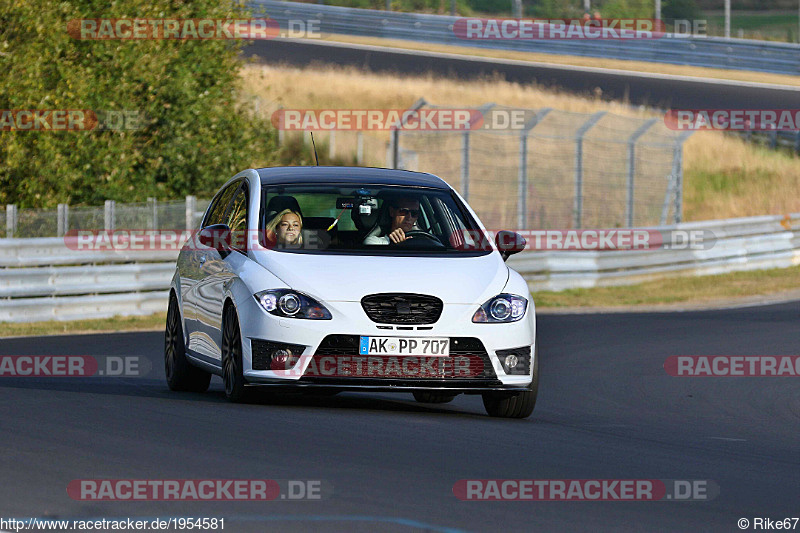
[[715, 52], [43, 279], [741, 244]]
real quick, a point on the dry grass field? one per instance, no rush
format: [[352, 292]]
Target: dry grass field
[[724, 176]]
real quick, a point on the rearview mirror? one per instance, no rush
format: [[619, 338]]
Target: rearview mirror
[[509, 243]]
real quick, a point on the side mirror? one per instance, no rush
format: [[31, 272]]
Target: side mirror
[[216, 236], [509, 243]]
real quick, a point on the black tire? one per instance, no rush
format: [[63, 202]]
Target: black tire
[[181, 375], [433, 397], [232, 370], [515, 405]]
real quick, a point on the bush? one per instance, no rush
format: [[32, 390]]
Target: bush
[[194, 134], [680, 9], [553, 9], [630, 9]]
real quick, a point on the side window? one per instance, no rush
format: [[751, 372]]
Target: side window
[[237, 219], [216, 213]]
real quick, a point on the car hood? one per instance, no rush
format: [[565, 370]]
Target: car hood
[[348, 278]]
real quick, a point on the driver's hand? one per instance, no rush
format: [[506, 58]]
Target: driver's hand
[[398, 235]]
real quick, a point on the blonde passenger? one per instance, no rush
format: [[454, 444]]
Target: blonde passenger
[[285, 228]]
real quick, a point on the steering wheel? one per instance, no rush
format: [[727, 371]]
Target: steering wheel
[[421, 237]]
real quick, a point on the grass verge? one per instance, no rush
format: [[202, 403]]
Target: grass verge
[[98, 325], [689, 290]]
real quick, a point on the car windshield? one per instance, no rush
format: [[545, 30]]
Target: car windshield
[[367, 220]]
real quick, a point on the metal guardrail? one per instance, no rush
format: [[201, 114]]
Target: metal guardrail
[[43, 279], [751, 243], [715, 52]]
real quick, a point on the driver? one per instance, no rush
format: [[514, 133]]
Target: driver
[[403, 215]]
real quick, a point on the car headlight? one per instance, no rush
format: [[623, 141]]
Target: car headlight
[[501, 308], [291, 304]]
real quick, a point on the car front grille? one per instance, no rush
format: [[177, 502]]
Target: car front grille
[[338, 357], [402, 308]]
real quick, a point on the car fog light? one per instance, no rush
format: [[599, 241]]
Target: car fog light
[[282, 360], [281, 356], [511, 361]]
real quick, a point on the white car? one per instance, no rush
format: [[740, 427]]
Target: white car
[[325, 279]]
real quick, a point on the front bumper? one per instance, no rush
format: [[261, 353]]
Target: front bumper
[[350, 321]]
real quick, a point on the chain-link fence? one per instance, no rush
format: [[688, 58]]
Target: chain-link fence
[[538, 168], [150, 215], [556, 169]]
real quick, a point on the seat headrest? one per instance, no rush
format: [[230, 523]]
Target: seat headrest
[[277, 204]]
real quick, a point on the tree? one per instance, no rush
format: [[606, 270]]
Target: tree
[[194, 133]]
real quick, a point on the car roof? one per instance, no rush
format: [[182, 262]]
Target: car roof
[[356, 175]]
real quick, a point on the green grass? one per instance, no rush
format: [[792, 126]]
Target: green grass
[[118, 323], [770, 25], [688, 290]]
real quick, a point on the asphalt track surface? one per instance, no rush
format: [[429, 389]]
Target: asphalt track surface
[[664, 92], [607, 410]]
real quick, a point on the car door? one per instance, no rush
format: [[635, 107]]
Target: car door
[[216, 270], [194, 271]]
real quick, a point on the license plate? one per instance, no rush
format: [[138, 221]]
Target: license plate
[[404, 346]]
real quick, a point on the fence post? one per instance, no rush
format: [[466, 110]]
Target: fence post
[[63, 219], [677, 170], [484, 109], [398, 126], [577, 220], [153, 222], [629, 211], [395, 147], [11, 220], [191, 207], [465, 165], [108, 215], [522, 191], [359, 147]]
